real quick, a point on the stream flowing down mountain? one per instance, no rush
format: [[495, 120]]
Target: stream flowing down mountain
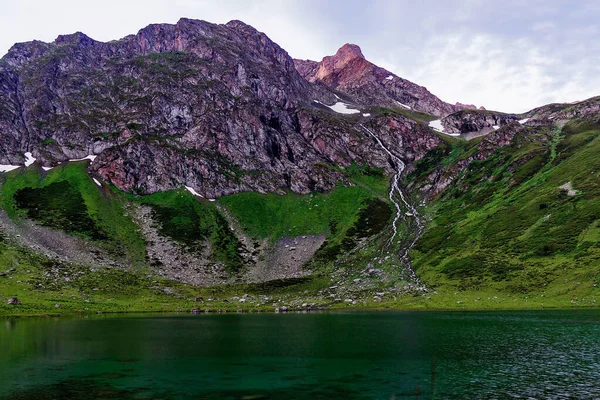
[[395, 191]]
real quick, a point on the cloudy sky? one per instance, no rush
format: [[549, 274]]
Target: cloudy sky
[[507, 55]]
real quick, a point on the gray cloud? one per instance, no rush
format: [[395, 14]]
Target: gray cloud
[[508, 55]]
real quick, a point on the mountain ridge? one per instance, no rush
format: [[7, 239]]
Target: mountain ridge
[[349, 72], [202, 155]]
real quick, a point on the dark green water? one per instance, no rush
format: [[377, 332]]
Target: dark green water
[[551, 354]]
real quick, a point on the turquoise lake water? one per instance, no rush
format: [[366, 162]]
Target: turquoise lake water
[[395, 355]]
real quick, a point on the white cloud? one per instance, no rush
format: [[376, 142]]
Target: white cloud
[[501, 74], [543, 26]]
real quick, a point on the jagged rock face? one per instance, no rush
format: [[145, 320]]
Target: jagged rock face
[[482, 122], [548, 114], [220, 108], [349, 72], [159, 82], [468, 106]]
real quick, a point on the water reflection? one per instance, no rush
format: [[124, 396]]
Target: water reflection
[[379, 356]]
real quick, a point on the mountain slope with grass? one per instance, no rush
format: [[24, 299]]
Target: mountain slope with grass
[[520, 223], [198, 166]]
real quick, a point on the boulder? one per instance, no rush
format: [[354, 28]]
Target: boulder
[[14, 301]]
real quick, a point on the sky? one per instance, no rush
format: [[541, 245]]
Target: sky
[[506, 55]]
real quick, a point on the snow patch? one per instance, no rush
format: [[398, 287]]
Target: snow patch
[[96, 182], [7, 168], [212, 200], [389, 77], [366, 114], [46, 168], [522, 121], [436, 125], [496, 127], [192, 191], [91, 157], [403, 105], [340, 108], [30, 159]]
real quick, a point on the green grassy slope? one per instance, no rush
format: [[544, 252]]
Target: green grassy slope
[[66, 198], [507, 227], [504, 234], [191, 223], [274, 216]]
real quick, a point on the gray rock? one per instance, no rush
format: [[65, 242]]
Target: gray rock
[[14, 301]]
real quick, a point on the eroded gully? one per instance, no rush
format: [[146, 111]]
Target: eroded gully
[[402, 201]]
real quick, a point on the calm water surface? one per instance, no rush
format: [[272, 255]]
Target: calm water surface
[[551, 354]]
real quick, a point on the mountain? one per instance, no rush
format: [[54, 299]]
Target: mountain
[[219, 108], [350, 73], [200, 161]]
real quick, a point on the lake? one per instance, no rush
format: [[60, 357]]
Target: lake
[[391, 355]]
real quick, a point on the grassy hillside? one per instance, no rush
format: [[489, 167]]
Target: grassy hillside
[[273, 216], [66, 198], [192, 223], [523, 223], [520, 229]]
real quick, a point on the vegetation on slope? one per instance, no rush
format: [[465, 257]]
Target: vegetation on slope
[[66, 198], [503, 235], [192, 223], [510, 224], [345, 215]]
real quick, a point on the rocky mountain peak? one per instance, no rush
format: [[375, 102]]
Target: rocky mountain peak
[[349, 72], [240, 25], [77, 38], [348, 52]]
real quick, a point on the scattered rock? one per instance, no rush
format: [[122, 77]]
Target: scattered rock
[[14, 301]]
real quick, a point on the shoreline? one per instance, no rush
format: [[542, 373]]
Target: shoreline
[[295, 311]]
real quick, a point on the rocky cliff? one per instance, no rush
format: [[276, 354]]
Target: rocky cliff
[[218, 108], [480, 122]]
